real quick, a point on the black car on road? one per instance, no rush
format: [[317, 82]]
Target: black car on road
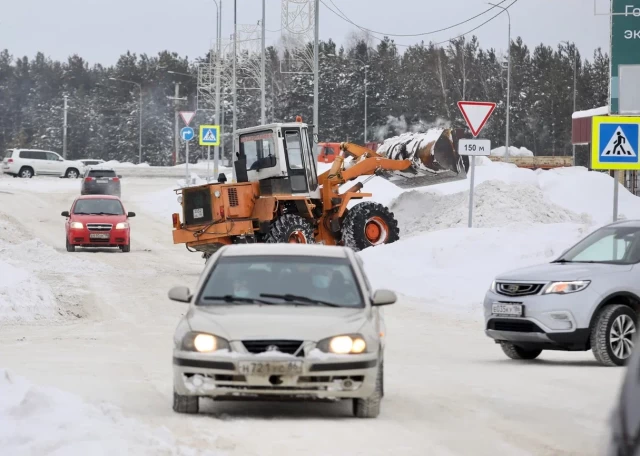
[[100, 181]]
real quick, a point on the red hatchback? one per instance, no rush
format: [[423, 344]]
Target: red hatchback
[[97, 221]]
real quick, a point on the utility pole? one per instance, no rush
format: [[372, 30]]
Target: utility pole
[[216, 151], [64, 129], [235, 97], [263, 112], [176, 150], [316, 71], [506, 151], [575, 73]]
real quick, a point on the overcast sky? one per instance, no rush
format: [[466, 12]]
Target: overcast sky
[[101, 30]]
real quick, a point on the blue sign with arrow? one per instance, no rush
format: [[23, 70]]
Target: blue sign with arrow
[[187, 134]]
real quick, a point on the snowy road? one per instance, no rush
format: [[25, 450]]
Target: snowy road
[[449, 389]]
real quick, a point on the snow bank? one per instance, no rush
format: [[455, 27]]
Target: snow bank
[[117, 164], [513, 151], [37, 420], [495, 204], [23, 297], [39, 184], [451, 269]]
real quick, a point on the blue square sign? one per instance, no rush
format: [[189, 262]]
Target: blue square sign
[[619, 143]]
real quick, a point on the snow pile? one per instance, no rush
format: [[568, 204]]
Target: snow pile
[[43, 420], [601, 111], [495, 204], [452, 269], [40, 184], [513, 151], [23, 297], [117, 164]]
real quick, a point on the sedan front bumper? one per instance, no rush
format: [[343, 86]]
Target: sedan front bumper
[[82, 237], [219, 377]]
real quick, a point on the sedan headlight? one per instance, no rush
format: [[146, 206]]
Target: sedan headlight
[[343, 345], [566, 287], [203, 343], [122, 226], [76, 225]]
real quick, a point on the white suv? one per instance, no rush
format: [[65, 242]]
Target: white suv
[[589, 298], [29, 162]]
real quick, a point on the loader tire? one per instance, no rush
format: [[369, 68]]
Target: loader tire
[[368, 224], [292, 229]]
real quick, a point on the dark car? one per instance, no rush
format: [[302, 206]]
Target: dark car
[[624, 438], [100, 181]]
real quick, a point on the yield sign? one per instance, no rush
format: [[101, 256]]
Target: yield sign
[[187, 116], [476, 113]]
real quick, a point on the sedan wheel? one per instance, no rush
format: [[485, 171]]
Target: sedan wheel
[[612, 335], [621, 337]]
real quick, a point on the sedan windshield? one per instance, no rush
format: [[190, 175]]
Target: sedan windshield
[[615, 245], [98, 206], [282, 280]]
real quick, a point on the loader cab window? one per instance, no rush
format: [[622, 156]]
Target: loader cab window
[[295, 162], [312, 176], [259, 150]]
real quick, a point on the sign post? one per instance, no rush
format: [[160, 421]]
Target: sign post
[[476, 114], [187, 135], [614, 146], [625, 57], [210, 136]]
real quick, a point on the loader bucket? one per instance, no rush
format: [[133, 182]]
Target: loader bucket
[[433, 157]]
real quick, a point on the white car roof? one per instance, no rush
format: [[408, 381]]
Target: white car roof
[[285, 250]]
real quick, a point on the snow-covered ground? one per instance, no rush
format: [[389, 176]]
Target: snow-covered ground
[[86, 338]]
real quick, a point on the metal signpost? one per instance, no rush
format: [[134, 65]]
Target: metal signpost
[[476, 114], [614, 146], [210, 136], [187, 134]]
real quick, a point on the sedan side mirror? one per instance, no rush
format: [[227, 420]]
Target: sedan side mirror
[[384, 297], [180, 294], [131, 214], [65, 213]]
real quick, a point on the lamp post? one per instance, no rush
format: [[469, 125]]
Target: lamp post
[[575, 87], [140, 115], [216, 150], [506, 153]]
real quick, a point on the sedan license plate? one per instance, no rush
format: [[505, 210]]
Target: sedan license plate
[[509, 309], [102, 181], [270, 367], [99, 235]]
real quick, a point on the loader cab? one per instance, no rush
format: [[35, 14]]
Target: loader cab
[[280, 157]]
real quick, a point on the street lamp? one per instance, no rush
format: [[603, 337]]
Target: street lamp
[[575, 79], [506, 153], [140, 115]]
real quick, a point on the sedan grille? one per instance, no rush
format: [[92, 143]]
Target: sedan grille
[[99, 226], [524, 326], [518, 289], [284, 346]]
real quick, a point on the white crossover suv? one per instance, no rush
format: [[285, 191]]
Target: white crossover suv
[[589, 298], [287, 321], [30, 162]]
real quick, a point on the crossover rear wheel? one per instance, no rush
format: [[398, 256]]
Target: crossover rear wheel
[[26, 172], [516, 352], [612, 335]]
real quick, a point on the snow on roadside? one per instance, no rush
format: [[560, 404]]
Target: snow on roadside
[[24, 297], [451, 269], [495, 204], [39, 184], [43, 420]]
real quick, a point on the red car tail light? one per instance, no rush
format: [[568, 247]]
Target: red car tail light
[[10, 160], [88, 179], [115, 179]]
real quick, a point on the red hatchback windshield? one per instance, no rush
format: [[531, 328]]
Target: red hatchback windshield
[[98, 206]]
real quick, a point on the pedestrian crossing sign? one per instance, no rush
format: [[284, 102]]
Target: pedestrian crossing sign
[[209, 135], [614, 143]]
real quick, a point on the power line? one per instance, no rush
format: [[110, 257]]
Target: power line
[[344, 17]]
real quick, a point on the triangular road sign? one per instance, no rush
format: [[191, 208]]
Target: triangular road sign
[[187, 116], [476, 114], [619, 145]]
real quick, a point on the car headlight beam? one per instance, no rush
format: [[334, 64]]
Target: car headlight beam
[[344, 345], [566, 287], [76, 225], [203, 342], [122, 226]]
